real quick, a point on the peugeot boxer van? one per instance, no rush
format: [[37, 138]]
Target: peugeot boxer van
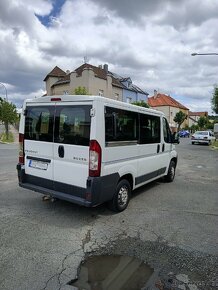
[[89, 149]]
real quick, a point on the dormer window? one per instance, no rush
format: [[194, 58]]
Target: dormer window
[[101, 93]]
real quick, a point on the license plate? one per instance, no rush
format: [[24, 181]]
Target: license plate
[[38, 164]]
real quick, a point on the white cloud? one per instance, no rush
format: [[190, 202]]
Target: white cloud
[[151, 42]]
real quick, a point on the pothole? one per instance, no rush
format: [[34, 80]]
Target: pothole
[[112, 272]]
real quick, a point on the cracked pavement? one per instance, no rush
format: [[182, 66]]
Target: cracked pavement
[[172, 227]]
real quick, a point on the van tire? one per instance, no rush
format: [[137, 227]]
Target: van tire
[[121, 197], [171, 172]]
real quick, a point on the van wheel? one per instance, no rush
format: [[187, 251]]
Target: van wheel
[[171, 172], [121, 197]]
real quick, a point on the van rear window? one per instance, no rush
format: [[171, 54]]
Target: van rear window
[[39, 123], [72, 125]]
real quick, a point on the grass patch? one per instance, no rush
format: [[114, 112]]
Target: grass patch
[[215, 144], [10, 139]]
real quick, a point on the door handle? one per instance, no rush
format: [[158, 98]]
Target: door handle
[[163, 147], [61, 151], [158, 148]]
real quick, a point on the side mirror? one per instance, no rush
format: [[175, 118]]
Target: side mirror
[[175, 138]]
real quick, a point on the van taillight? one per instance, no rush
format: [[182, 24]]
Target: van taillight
[[94, 159], [21, 149]]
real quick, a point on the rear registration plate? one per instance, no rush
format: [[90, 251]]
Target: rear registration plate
[[38, 164]]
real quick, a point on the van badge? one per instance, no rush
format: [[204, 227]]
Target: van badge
[[79, 159]]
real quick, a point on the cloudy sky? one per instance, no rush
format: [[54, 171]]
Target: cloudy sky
[[149, 40]]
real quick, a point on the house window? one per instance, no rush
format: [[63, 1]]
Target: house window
[[116, 96], [101, 93], [128, 100]]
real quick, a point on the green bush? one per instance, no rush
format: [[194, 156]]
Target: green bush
[[10, 139], [215, 144]]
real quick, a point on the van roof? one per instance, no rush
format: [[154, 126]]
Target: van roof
[[78, 98]]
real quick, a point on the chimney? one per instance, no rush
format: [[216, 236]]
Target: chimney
[[155, 94], [106, 67], [100, 66]]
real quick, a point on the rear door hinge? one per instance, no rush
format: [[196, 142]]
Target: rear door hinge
[[92, 112]]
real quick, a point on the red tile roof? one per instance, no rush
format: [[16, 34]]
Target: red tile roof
[[56, 72], [203, 114], [164, 100]]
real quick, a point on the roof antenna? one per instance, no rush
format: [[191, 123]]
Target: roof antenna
[[86, 59]]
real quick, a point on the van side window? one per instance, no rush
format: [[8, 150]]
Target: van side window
[[149, 129], [166, 131], [72, 125], [39, 124], [120, 125]]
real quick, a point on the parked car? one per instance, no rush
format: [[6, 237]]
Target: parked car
[[202, 137], [184, 133]]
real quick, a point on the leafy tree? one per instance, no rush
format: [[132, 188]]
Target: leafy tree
[[141, 104], [179, 118], [80, 91], [194, 128], [209, 126], [213, 118], [214, 100], [202, 122], [8, 114]]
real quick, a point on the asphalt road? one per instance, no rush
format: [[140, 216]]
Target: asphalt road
[[170, 226]]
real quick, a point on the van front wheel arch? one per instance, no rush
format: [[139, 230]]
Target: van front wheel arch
[[171, 172], [121, 197]]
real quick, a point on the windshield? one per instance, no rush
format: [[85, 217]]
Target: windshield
[[201, 133]]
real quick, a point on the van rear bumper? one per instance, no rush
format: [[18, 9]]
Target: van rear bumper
[[98, 190]]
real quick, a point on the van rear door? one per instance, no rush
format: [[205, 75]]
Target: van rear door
[[38, 143], [71, 146]]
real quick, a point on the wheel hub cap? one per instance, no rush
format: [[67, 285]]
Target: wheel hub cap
[[123, 196]]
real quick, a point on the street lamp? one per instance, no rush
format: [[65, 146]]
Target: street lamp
[[6, 93], [211, 53]]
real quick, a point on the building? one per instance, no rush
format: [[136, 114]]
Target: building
[[195, 116], [96, 80], [169, 107]]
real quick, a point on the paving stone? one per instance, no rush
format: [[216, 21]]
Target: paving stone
[[183, 278], [192, 287]]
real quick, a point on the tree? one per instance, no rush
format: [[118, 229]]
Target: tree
[[179, 118], [141, 104], [8, 114], [194, 128], [214, 100], [80, 91], [202, 122]]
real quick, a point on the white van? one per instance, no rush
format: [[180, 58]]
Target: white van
[[89, 150]]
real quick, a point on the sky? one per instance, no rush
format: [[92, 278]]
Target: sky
[[150, 41]]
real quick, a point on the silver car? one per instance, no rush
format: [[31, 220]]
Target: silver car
[[202, 137]]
